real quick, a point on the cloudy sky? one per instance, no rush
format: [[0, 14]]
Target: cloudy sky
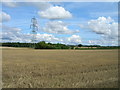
[[61, 22]]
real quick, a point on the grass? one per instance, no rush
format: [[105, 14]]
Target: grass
[[29, 68]]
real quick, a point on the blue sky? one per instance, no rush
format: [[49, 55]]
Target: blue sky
[[78, 22]]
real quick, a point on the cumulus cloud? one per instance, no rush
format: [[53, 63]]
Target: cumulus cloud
[[73, 40], [48, 38], [55, 12], [107, 28], [12, 34], [58, 27], [4, 17], [104, 26]]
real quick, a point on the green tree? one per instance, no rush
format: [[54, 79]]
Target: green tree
[[80, 45]]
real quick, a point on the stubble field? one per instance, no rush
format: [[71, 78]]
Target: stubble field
[[28, 68]]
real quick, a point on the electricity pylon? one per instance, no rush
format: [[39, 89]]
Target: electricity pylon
[[34, 27]]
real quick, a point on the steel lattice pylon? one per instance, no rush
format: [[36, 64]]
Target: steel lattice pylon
[[34, 27]]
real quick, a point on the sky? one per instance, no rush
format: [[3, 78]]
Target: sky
[[73, 23]]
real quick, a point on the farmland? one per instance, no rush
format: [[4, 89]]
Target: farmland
[[29, 68]]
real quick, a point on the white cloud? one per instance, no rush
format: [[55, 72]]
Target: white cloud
[[104, 26], [58, 27], [48, 38], [73, 40], [11, 34], [4, 17], [55, 12]]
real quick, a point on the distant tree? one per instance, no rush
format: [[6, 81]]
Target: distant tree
[[40, 45], [50, 43], [80, 45]]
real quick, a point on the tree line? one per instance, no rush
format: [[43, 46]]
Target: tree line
[[39, 45], [44, 45]]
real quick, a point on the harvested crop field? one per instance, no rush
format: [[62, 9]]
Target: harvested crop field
[[29, 68]]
